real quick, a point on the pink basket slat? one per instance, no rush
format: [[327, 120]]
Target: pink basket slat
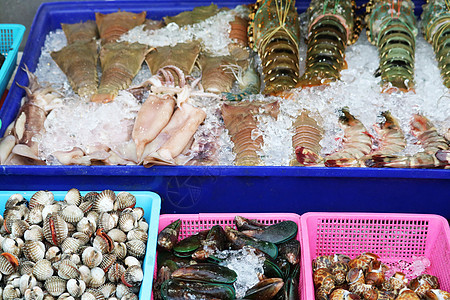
[[193, 223], [393, 237]]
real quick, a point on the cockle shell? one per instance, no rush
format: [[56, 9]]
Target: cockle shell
[[55, 229], [85, 273], [127, 220], [142, 225], [16, 227], [72, 214], [136, 248], [54, 208], [122, 290], [108, 261], [26, 267], [93, 216], [133, 276], [124, 200], [34, 293], [103, 242], [34, 233], [73, 197], [41, 197], [97, 277], [92, 257], [92, 294], [138, 213], [120, 249], [76, 287], [14, 200], [129, 296], [71, 245], [107, 289], [115, 272], [117, 235], [131, 261], [66, 296], [105, 201], [53, 254], [35, 214], [8, 263], [10, 293], [55, 286], [86, 226], [11, 246], [68, 270], [137, 234], [34, 250], [107, 221], [43, 270], [86, 206], [26, 282], [81, 237], [16, 213]]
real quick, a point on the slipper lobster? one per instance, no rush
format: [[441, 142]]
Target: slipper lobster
[[332, 26], [391, 26], [436, 30], [274, 33]]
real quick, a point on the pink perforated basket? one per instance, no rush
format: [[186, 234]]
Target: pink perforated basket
[[193, 223], [393, 237]]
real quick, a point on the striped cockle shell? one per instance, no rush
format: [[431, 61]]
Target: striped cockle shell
[[53, 254], [68, 270], [35, 214], [86, 206], [34, 233], [93, 217], [92, 257], [121, 290], [10, 292], [71, 229], [142, 225], [97, 277], [115, 272], [8, 263], [26, 282], [120, 249], [105, 201], [85, 273], [138, 213], [48, 297], [92, 294], [11, 246], [72, 213], [16, 227], [13, 279], [108, 261], [76, 287], [102, 244], [34, 293], [43, 270], [55, 286], [137, 234], [127, 221], [55, 229], [26, 267], [70, 245], [107, 221], [49, 209], [136, 248], [129, 296], [81, 237], [117, 235], [16, 213], [131, 261], [133, 276], [73, 197], [124, 200], [34, 250], [65, 296], [41, 197], [107, 289], [14, 200], [91, 196], [86, 226]]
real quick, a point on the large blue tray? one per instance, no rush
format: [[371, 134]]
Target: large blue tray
[[149, 201], [221, 189]]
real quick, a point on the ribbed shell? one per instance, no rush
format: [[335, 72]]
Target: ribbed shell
[[101, 244], [73, 196], [49, 209], [53, 254], [137, 234], [66, 296], [115, 272], [91, 196], [34, 250], [97, 277], [133, 275], [43, 270], [107, 221], [136, 248], [71, 245], [11, 246], [92, 294], [142, 225], [92, 257], [108, 261], [14, 200], [34, 293], [41, 197], [86, 226], [34, 233], [85, 273], [68, 270], [26, 267], [129, 296], [72, 214], [86, 206], [55, 229], [107, 289], [126, 220], [120, 249], [81, 237], [16, 227], [10, 293], [105, 201], [122, 290], [138, 213], [131, 261], [26, 281], [124, 200], [76, 287], [55, 286], [117, 235], [35, 214]]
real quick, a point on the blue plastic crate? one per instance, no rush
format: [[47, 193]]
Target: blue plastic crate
[[149, 201], [195, 189], [10, 38]]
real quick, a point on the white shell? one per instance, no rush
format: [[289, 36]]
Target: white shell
[[134, 275], [65, 296], [137, 234], [115, 272], [124, 200], [55, 286], [120, 249], [11, 246], [93, 217], [138, 213], [26, 267], [70, 245], [132, 261], [143, 225], [13, 200], [26, 282], [43, 270], [136, 248], [76, 287], [81, 237], [97, 277], [72, 214], [41, 197], [34, 233], [10, 292], [35, 214], [34, 293], [73, 196], [117, 235], [53, 254], [107, 289], [104, 201], [68, 270], [121, 290], [127, 220], [107, 221], [85, 273], [92, 257], [34, 250], [86, 226], [50, 209]]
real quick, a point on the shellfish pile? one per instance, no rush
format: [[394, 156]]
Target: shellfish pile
[[84, 247], [338, 277], [198, 266]]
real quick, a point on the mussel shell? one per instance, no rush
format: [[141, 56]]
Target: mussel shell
[[276, 233], [176, 289], [265, 289], [206, 272], [187, 246], [239, 240], [168, 237], [272, 270], [290, 250]]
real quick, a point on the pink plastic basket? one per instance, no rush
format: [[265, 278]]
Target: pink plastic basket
[[193, 223], [393, 237]]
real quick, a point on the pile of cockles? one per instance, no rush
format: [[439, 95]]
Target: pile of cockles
[[196, 267], [338, 277], [84, 247]]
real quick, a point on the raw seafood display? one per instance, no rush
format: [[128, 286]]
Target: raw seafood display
[[84, 247], [337, 276], [208, 263], [165, 92]]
